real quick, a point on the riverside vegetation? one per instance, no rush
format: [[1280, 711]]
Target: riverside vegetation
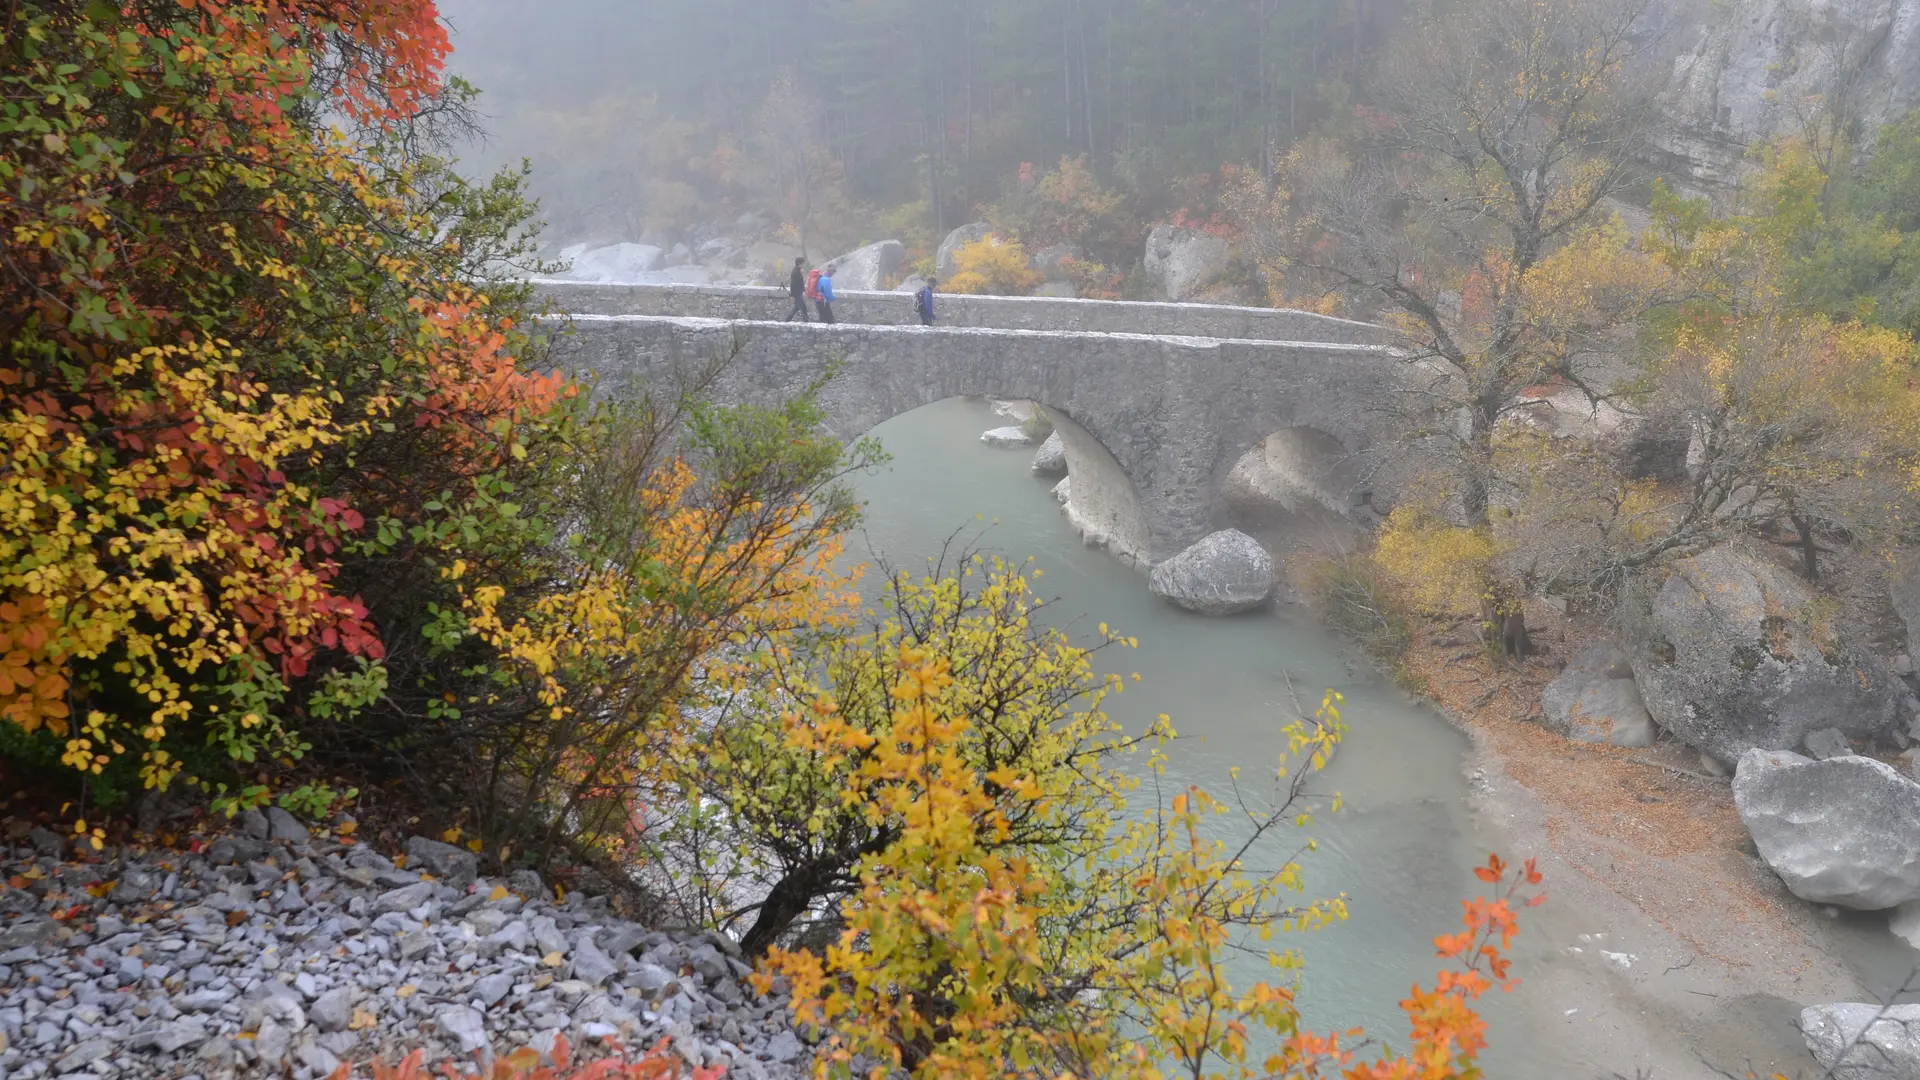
[[291, 510]]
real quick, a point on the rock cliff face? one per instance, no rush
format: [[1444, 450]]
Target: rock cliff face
[[1746, 70]]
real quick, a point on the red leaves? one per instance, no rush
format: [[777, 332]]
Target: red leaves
[[387, 56]]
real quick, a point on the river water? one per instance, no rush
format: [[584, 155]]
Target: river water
[[1402, 849]]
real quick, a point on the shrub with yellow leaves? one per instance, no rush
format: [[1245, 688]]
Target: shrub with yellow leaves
[[993, 266]]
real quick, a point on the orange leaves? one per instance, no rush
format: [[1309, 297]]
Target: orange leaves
[[387, 56]]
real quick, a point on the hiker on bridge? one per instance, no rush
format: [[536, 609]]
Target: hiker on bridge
[[825, 300], [923, 302], [797, 288]]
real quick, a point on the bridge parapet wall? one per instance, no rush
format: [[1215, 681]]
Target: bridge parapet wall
[[985, 312]]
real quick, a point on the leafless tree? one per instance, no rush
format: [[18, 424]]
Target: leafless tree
[[792, 160]]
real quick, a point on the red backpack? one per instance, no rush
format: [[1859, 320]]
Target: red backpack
[[813, 285]]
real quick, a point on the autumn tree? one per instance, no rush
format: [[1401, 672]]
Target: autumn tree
[[1069, 205], [227, 325], [1469, 207], [965, 868], [693, 527], [286, 473], [1803, 423]]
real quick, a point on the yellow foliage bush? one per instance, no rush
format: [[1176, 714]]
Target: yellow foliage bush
[[1444, 568], [992, 266]]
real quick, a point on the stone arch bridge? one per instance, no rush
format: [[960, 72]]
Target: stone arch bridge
[[1157, 403]]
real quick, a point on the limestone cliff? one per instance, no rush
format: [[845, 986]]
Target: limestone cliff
[[1744, 70]]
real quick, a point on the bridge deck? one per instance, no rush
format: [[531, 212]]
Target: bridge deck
[[885, 331], [754, 304]]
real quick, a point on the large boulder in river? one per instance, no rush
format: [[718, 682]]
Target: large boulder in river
[[1737, 654], [1182, 261], [1051, 460], [869, 268], [1852, 1041], [944, 266], [1595, 700], [1007, 436], [1224, 573], [1844, 831]]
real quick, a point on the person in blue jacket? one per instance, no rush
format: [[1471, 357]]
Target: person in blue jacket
[[923, 301], [825, 303]]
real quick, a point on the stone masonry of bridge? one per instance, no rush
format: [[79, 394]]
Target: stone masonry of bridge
[[1153, 424]]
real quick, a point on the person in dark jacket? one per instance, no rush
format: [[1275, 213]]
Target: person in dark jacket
[[797, 287], [825, 303], [923, 301]]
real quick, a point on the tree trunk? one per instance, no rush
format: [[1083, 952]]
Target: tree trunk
[[1809, 550], [788, 900]]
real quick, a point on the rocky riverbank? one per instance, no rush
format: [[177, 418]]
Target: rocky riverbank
[[1670, 947], [270, 952]]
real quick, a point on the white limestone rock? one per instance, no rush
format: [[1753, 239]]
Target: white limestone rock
[[1225, 573], [1854, 1041], [1844, 831], [615, 263], [1007, 436], [1595, 700], [943, 258], [1063, 491], [1051, 460], [1182, 261], [867, 269], [1744, 66]]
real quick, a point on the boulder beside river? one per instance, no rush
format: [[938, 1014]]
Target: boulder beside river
[[1844, 831], [1739, 655], [1595, 701], [1225, 573], [1853, 1041], [1182, 261]]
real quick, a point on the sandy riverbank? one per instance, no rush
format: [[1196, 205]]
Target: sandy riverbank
[[1667, 950]]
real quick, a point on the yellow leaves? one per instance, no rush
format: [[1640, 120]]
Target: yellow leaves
[[991, 265], [362, 1020], [1443, 567], [962, 923]]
